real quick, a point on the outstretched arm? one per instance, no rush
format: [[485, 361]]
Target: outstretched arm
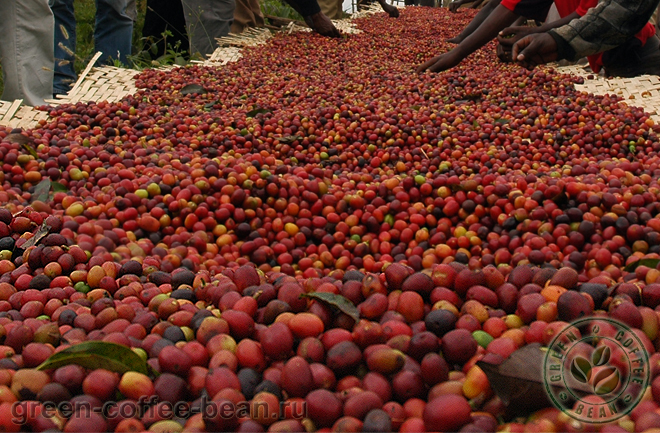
[[454, 5], [476, 21], [391, 10], [311, 12], [496, 21], [510, 35]]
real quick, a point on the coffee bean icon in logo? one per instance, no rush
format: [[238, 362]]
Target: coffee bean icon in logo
[[603, 378]]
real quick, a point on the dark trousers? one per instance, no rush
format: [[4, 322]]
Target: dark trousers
[[632, 59], [165, 15]]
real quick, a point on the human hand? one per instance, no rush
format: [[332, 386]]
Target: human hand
[[440, 63], [511, 35], [455, 40], [504, 53], [391, 10], [534, 50], [322, 25], [453, 6]]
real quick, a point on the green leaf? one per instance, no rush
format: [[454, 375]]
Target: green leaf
[[416, 107], [39, 235], [256, 111], [649, 263], [288, 139], [42, 191], [17, 137], [337, 301], [519, 380], [501, 121], [98, 354], [58, 187], [30, 150], [192, 88]]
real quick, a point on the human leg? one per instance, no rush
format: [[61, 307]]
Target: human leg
[[247, 14], [113, 30], [162, 16], [65, 45], [207, 20], [26, 51]]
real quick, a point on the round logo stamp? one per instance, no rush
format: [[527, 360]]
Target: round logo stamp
[[596, 370]]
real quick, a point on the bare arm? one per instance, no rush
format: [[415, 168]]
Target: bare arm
[[391, 10], [496, 21], [511, 35], [311, 12], [476, 21]]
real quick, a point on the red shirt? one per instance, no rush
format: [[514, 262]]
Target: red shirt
[[538, 10], [567, 7], [530, 9]]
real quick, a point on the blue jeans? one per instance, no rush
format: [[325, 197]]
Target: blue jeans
[[113, 35]]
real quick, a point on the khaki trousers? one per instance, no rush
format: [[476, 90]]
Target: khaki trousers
[[247, 14], [331, 8]]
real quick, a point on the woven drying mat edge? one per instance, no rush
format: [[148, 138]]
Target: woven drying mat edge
[[119, 82], [642, 91], [111, 84]]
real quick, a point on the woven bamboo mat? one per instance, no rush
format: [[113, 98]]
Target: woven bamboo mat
[[16, 115], [642, 91], [344, 26], [94, 84], [229, 47], [107, 83]]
